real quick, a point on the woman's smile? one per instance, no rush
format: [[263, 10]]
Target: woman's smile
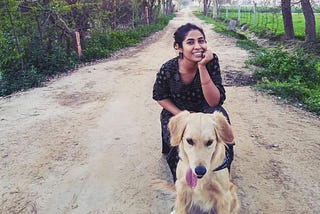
[[198, 54]]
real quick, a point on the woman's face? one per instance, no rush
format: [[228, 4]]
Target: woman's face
[[193, 46]]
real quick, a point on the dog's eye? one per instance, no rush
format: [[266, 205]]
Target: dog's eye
[[209, 143], [190, 141]]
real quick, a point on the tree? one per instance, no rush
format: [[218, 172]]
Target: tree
[[205, 7], [287, 19], [216, 6], [167, 6], [10, 29], [215, 10], [310, 28]]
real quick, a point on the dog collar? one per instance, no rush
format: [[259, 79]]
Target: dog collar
[[226, 163]]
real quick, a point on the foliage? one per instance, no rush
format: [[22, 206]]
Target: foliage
[[103, 43], [293, 76], [37, 37], [249, 45], [10, 81]]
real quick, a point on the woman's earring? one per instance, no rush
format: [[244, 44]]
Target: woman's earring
[[180, 55]]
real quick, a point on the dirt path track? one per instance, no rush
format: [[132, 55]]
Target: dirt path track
[[89, 142]]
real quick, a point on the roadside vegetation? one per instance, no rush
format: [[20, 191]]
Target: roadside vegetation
[[40, 39], [287, 70], [268, 20]]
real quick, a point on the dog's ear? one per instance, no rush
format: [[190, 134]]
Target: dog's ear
[[223, 128], [177, 125]]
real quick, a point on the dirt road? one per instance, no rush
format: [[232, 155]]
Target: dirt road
[[89, 142]]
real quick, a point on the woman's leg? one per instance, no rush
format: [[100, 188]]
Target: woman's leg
[[165, 135], [167, 149], [172, 160]]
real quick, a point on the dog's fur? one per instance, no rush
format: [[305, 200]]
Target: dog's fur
[[201, 139]]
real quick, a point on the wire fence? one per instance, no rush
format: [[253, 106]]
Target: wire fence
[[268, 18]]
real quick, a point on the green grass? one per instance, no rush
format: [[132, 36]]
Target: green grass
[[271, 21]]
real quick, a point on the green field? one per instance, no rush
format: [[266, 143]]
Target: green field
[[271, 20]]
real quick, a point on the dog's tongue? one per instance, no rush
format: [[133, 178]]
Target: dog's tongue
[[191, 178]]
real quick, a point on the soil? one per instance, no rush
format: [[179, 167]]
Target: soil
[[89, 141]]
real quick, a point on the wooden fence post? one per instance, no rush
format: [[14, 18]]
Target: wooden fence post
[[76, 36], [227, 10], [147, 14], [239, 12], [254, 13]]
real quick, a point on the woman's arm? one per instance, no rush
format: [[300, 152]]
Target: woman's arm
[[169, 106], [210, 91]]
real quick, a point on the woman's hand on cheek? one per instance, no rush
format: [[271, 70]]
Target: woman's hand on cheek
[[207, 57]]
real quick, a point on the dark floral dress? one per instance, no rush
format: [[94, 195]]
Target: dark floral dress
[[168, 84]]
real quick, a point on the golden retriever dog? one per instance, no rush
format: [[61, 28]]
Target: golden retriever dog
[[200, 187]]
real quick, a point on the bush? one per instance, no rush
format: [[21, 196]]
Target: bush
[[295, 76], [103, 43], [313, 102], [40, 61], [279, 65], [97, 46], [52, 62], [11, 82]]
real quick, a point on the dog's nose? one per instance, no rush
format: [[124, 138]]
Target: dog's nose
[[200, 171]]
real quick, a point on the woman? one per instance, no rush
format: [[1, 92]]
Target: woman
[[192, 81]]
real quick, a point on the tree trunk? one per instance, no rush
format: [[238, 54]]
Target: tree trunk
[[215, 9], [169, 6], [310, 26], [164, 7], [205, 7], [287, 19]]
